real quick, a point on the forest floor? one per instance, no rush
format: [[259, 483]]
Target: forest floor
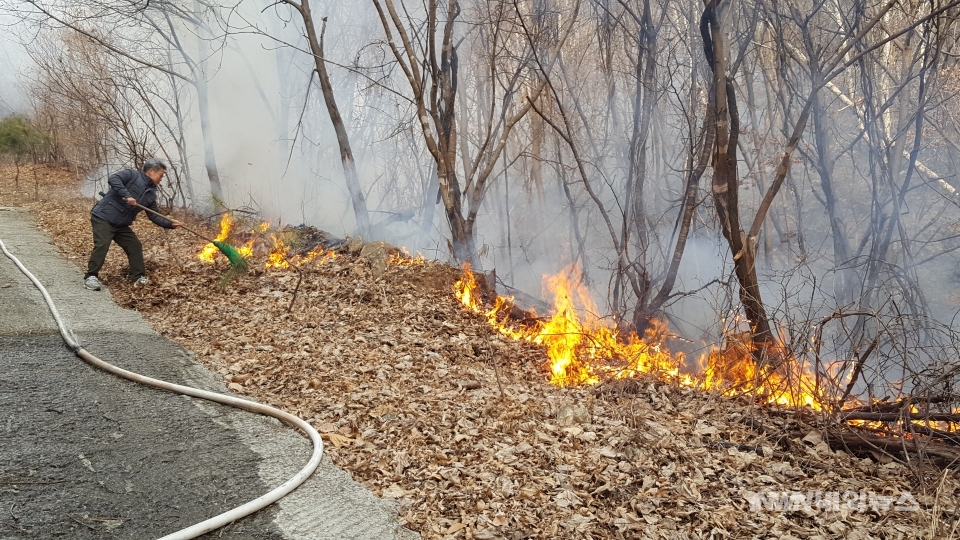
[[424, 404]]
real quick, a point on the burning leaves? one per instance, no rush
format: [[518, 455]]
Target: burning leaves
[[276, 246], [580, 348], [209, 251], [732, 370], [280, 257], [402, 257], [583, 350]]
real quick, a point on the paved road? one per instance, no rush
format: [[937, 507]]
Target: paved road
[[84, 454]]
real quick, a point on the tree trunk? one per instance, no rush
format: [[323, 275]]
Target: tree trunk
[[635, 220], [203, 106], [535, 179], [431, 198], [725, 188], [181, 143], [351, 177], [461, 230]]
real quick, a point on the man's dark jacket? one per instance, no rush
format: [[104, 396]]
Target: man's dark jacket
[[128, 183]]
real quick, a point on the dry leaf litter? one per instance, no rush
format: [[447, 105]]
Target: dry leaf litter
[[426, 406]]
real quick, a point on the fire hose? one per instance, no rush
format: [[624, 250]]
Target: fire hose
[[231, 515]]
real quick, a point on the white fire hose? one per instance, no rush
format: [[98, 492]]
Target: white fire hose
[[231, 515]]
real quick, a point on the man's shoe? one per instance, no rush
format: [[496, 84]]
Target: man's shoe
[[141, 281], [92, 283]]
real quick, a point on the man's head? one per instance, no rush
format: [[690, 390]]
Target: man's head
[[154, 169]]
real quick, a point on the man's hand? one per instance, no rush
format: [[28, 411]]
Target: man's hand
[[175, 223], [131, 201]]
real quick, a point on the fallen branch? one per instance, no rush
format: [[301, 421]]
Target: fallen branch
[[897, 417], [858, 442], [952, 438], [882, 406]]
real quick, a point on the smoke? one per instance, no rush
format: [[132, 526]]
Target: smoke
[[14, 61], [274, 146], [274, 143]]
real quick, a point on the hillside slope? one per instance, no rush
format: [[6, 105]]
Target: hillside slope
[[425, 405]]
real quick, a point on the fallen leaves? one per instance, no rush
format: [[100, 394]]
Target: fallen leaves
[[337, 440], [460, 428]]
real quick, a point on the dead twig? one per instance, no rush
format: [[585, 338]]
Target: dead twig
[[897, 417], [91, 527], [297, 288]]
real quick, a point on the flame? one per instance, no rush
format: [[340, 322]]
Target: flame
[[247, 249], [466, 291], [403, 258], [227, 223], [280, 258], [209, 251], [279, 252], [732, 370], [582, 349]]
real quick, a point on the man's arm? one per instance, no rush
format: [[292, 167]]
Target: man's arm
[[118, 182], [161, 221]]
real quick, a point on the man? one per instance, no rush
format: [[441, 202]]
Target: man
[[112, 216]]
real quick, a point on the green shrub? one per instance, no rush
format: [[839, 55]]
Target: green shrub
[[19, 138]]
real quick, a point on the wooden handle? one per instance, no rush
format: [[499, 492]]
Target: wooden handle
[[154, 212], [182, 226]]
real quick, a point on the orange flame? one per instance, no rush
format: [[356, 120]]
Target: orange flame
[[732, 370], [403, 258], [227, 222], [209, 251], [582, 349], [279, 255]]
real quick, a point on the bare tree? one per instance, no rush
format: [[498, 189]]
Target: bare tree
[[427, 54], [315, 42], [111, 30]]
